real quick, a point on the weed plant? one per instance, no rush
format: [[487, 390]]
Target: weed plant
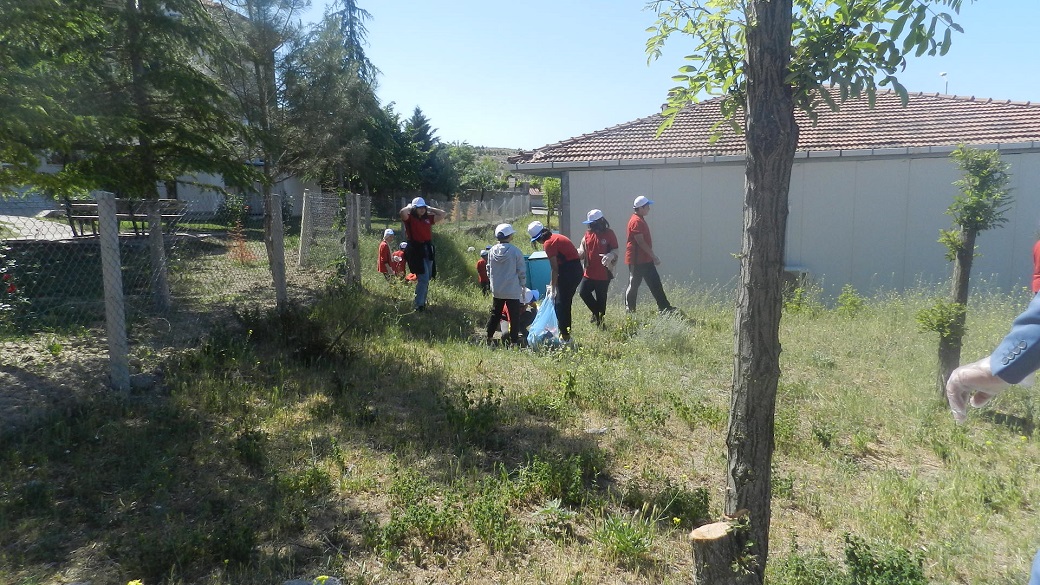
[[352, 436]]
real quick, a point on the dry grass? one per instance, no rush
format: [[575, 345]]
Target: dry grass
[[405, 453]]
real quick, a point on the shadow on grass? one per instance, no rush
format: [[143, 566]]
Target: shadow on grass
[[1013, 423]]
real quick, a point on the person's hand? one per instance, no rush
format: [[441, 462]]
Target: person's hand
[[656, 260], [548, 290]]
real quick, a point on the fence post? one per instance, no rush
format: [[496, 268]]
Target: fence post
[[115, 312], [350, 240], [306, 228]]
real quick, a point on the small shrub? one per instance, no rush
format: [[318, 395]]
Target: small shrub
[[490, 518], [554, 520], [472, 415], [803, 300], [628, 539], [877, 564], [824, 434], [250, 446], [850, 303]]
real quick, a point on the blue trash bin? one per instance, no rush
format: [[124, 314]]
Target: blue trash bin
[[538, 272]]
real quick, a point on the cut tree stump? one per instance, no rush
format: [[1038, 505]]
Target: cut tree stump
[[716, 548]]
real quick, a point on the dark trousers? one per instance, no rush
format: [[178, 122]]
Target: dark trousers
[[594, 293], [567, 284], [637, 273], [513, 306]]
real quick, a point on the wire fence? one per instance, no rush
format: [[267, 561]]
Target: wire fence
[[53, 275], [214, 256]]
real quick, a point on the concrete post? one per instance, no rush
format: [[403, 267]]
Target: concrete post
[[115, 312]]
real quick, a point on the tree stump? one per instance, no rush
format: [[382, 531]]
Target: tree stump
[[718, 555]]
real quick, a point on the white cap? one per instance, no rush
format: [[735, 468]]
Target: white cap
[[388, 232], [483, 253], [640, 202], [534, 229], [418, 202], [593, 215], [504, 230], [529, 296], [404, 245]]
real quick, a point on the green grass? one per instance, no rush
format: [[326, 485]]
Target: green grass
[[399, 451]]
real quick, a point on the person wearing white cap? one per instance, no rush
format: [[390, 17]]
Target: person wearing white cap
[[384, 261], [507, 272], [565, 272], [598, 248], [641, 260], [482, 272], [418, 218]]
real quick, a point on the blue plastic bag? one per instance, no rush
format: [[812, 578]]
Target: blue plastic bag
[[545, 328]]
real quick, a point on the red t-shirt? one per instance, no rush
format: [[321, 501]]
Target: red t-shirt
[[633, 253], [559, 245], [1036, 267], [384, 256], [482, 275], [420, 229], [596, 245]]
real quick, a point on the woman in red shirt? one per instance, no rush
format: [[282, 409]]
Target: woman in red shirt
[[598, 250], [565, 269], [418, 221]]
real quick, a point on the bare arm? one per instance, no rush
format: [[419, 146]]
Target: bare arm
[[641, 244], [406, 211], [436, 212], [554, 267]]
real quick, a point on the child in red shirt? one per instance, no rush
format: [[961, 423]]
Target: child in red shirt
[[482, 272], [397, 260], [383, 262]]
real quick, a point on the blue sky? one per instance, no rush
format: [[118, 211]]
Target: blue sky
[[527, 74]]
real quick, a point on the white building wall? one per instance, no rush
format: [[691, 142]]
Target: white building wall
[[869, 221]]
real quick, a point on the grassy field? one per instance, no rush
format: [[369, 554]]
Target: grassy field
[[355, 438]]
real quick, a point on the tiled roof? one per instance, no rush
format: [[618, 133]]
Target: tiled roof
[[927, 120]]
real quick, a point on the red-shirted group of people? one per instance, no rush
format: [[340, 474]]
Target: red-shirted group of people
[[585, 269]]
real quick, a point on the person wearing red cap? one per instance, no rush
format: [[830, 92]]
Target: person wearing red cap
[[598, 250], [641, 260], [565, 272], [418, 218]]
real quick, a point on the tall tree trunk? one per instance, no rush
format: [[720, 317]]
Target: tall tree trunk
[[274, 239], [149, 183], [950, 347], [772, 136]]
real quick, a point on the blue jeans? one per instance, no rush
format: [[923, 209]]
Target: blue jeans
[[422, 284], [1034, 576]]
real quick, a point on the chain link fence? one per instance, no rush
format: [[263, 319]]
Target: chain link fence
[[52, 276], [52, 261]]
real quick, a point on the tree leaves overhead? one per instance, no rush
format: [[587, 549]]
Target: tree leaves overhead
[[841, 49]]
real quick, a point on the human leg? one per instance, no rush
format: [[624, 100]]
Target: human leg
[[653, 282], [586, 290], [513, 306], [635, 278], [602, 287], [422, 285], [495, 317], [570, 277], [1034, 575]]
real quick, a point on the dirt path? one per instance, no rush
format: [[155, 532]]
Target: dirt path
[[30, 228]]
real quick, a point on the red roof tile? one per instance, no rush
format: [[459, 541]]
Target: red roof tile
[[927, 120]]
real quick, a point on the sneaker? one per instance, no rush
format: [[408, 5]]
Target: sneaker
[[957, 394]]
